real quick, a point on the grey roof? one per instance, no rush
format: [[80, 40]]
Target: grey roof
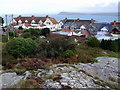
[[75, 23]]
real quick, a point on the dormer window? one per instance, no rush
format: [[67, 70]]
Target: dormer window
[[33, 22], [48, 23], [26, 21], [19, 22], [82, 27], [40, 22]]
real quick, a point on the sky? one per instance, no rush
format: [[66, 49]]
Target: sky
[[56, 6]]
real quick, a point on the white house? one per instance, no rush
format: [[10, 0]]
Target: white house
[[35, 22]]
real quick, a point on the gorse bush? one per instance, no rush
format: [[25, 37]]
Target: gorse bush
[[93, 42], [54, 48], [19, 47], [68, 53], [31, 33]]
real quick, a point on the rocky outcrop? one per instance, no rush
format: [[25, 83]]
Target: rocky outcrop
[[8, 79], [91, 75], [85, 75]]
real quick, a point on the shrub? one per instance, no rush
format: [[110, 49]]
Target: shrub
[[5, 38], [93, 42], [20, 27], [14, 34], [31, 32], [33, 64], [54, 48], [118, 43], [112, 45], [68, 53], [19, 47], [45, 32], [8, 60]]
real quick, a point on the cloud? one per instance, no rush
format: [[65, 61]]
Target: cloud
[[53, 6]]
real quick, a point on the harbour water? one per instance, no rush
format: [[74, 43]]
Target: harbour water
[[98, 18]]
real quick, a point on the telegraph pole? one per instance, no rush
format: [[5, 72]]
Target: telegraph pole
[[6, 19], [12, 18]]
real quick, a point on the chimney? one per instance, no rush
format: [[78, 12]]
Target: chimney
[[19, 16], [47, 16], [114, 22], [32, 16], [92, 20], [66, 18], [78, 19]]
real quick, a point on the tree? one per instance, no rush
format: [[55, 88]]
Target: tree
[[93, 42], [19, 47], [114, 46], [32, 32], [1, 20], [45, 32]]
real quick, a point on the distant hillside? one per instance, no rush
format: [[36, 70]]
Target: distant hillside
[[76, 13]]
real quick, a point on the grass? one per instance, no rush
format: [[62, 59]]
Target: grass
[[29, 83], [111, 85], [88, 54]]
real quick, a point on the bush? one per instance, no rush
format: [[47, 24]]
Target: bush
[[54, 48], [19, 47], [14, 34], [45, 32], [93, 42], [112, 45], [20, 27], [33, 32], [33, 64], [68, 53]]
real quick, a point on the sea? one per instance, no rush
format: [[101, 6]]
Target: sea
[[98, 18]]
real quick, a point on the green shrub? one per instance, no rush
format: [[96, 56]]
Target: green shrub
[[68, 53], [20, 27], [45, 32], [19, 47], [33, 32], [112, 45], [54, 47], [93, 42], [14, 34]]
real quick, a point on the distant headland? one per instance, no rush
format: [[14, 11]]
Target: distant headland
[[77, 13]]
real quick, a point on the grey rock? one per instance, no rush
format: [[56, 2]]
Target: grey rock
[[8, 79], [27, 74]]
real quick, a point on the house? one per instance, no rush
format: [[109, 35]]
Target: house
[[115, 27], [35, 22], [75, 23]]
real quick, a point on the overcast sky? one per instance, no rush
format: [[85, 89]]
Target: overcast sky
[[56, 6]]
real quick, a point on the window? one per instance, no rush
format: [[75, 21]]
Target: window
[[48, 23]]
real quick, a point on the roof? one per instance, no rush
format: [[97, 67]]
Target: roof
[[85, 32], [27, 25], [74, 23], [36, 19], [66, 30], [53, 20], [115, 23]]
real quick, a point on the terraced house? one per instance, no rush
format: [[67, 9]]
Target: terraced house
[[35, 22]]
